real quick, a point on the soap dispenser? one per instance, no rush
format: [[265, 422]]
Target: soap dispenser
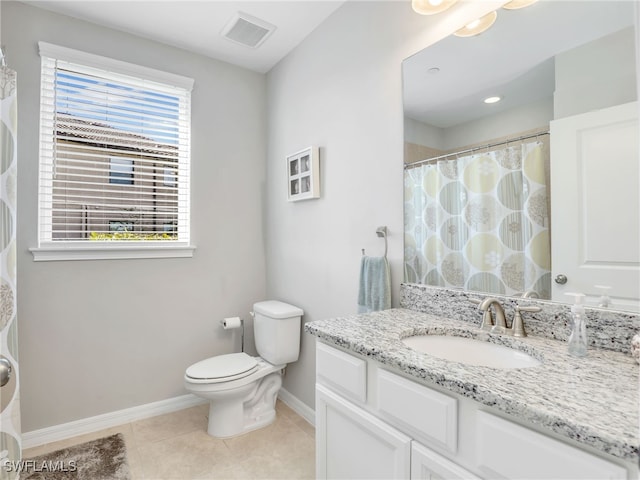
[[605, 300], [578, 337]]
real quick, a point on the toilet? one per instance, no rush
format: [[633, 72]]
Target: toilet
[[242, 389]]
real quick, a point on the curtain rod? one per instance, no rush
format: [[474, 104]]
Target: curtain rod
[[490, 145]]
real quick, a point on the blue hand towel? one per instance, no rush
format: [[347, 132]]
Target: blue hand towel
[[375, 284]]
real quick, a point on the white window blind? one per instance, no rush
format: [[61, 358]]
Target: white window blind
[[111, 133]]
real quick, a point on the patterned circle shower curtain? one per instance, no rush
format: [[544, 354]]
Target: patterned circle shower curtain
[[10, 441], [480, 222]]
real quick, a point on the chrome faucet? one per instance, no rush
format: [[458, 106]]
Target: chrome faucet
[[517, 326], [500, 324], [487, 317]]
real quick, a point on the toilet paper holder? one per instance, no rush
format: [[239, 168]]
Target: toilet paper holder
[[232, 323]]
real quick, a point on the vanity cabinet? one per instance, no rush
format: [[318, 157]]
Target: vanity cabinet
[[374, 423], [369, 423]]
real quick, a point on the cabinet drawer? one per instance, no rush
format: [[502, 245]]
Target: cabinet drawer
[[342, 372], [508, 450], [427, 415]]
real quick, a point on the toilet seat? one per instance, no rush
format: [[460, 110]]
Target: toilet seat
[[223, 368]]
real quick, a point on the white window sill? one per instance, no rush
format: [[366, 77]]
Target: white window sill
[[109, 251]]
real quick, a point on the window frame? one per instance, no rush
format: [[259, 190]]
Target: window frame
[[53, 250]]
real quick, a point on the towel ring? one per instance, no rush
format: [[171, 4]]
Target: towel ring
[[381, 232]]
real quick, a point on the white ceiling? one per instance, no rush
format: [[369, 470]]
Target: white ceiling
[[470, 68], [196, 25], [513, 59]]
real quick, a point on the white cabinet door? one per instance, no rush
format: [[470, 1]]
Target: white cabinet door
[[353, 444], [595, 219], [428, 465]]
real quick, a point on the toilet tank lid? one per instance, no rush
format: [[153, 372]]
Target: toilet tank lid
[[277, 309]]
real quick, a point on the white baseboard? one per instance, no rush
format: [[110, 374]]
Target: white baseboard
[[298, 406], [113, 419], [108, 420]]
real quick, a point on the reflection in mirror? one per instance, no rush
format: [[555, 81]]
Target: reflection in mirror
[[484, 222], [487, 183]]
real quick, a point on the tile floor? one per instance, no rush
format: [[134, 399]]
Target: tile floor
[[176, 446]]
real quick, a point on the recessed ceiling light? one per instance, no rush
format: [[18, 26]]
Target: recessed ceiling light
[[433, 70], [492, 99]]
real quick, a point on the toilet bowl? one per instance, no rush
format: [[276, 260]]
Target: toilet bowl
[[242, 389]]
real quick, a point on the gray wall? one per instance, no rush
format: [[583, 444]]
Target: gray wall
[[423, 134], [516, 120], [596, 75], [341, 89], [99, 336]]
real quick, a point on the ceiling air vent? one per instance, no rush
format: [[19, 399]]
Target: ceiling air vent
[[247, 30]]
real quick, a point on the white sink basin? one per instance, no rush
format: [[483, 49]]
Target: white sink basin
[[470, 351]]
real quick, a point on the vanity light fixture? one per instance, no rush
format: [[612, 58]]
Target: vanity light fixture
[[516, 4], [490, 100], [431, 7], [477, 26]]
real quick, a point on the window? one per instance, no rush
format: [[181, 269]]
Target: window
[[117, 226], [121, 171], [114, 158], [170, 177]]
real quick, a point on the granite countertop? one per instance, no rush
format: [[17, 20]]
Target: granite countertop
[[593, 400]]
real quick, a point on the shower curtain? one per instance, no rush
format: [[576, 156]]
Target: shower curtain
[[480, 222], [10, 441]]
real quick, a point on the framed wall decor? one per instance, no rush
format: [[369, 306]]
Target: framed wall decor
[[303, 174]]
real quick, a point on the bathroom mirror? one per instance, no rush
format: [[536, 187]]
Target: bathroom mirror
[[549, 62]]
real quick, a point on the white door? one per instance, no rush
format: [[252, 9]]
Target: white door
[[428, 465], [352, 444], [595, 219]]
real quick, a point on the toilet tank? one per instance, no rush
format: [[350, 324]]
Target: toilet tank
[[276, 328]]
